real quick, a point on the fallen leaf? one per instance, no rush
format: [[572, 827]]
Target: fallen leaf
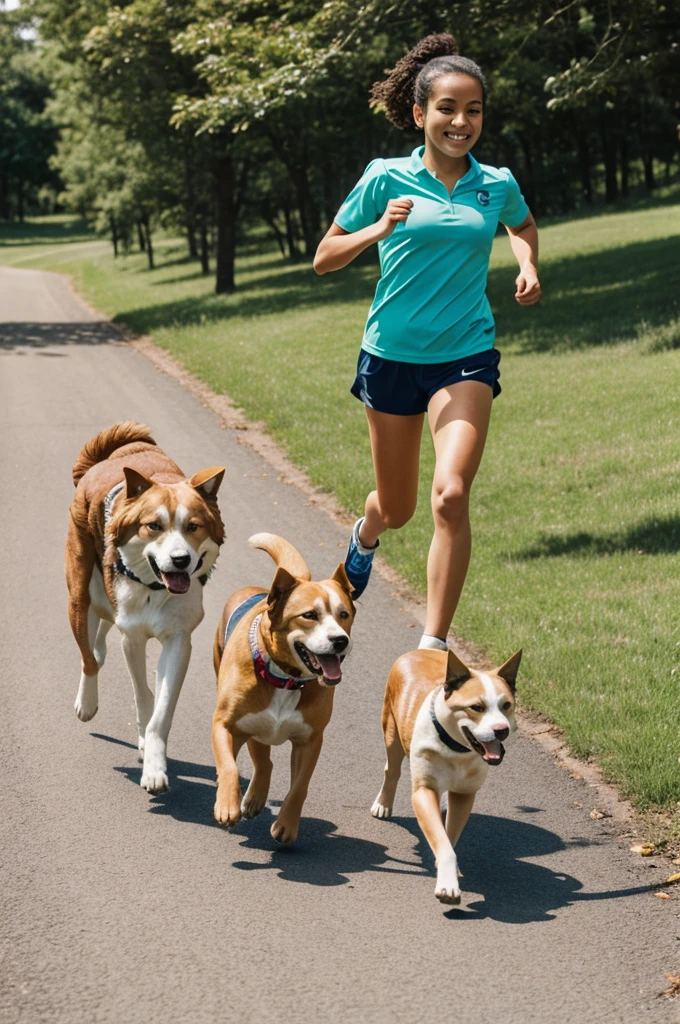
[[575, 775], [676, 861], [599, 814], [673, 878], [674, 987], [662, 895], [577, 803], [644, 849]]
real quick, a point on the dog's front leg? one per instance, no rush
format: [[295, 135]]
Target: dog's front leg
[[458, 808], [172, 667], [134, 651], [226, 747], [428, 812], [303, 760]]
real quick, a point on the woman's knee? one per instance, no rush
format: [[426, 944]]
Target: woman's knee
[[394, 517], [451, 501]]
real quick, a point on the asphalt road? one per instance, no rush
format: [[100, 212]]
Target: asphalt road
[[119, 907]]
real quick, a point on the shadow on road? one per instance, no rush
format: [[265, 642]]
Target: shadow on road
[[40, 335], [492, 851]]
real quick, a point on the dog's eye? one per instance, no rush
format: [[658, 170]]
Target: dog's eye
[[477, 707], [344, 614], [506, 706], [192, 527], [155, 527], [310, 615]]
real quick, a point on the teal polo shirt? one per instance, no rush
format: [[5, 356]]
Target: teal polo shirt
[[430, 303]]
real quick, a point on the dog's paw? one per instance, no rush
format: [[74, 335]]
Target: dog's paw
[[283, 832], [154, 781], [227, 814], [87, 700], [253, 803], [448, 896], [379, 810]]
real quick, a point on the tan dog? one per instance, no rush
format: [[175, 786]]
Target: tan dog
[[142, 541], [278, 657], [451, 721]]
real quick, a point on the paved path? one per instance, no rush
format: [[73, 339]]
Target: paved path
[[118, 907]]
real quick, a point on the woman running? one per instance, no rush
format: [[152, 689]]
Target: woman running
[[429, 338]]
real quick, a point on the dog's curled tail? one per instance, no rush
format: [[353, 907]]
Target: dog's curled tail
[[283, 553], [103, 444]]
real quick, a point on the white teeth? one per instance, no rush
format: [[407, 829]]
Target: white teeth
[[457, 138]]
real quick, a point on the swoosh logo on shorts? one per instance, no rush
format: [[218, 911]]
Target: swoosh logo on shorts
[[468, 373]]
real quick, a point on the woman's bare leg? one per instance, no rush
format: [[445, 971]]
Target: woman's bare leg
[[459, 421], [395, 446]]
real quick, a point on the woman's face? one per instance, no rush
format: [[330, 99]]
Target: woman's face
[[453, 117]]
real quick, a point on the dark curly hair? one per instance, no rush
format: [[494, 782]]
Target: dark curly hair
[[411, 79]]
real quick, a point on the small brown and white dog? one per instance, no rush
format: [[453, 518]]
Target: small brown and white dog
[[142, 541], [278, 657], [450, 720]]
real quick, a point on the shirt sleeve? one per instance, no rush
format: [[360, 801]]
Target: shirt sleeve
[[367, 201], [515, 209]]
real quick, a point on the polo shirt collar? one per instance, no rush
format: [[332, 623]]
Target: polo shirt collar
[[418, 167]]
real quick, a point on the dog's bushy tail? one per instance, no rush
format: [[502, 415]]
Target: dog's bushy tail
[[103, 444], [283, 553]]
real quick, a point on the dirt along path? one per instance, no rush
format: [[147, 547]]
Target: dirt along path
[[121, 907]]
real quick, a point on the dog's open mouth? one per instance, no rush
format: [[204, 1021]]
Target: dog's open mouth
[[327, 665], [175, 582], [493, 752]]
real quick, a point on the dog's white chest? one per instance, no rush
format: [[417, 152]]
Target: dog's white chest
[[279, 722]]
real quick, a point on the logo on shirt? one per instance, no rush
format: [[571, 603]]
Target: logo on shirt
[[483, 197]]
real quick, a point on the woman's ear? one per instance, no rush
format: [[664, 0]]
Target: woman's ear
[[418, 115]]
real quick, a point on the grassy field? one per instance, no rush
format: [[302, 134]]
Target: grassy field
[[576, 510]]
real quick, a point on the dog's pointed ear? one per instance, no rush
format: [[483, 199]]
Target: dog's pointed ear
[[135, 483], [282, 585], [208, 481], [508, 671], [341, 578], [457, 673]]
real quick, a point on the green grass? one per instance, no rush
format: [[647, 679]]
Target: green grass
[[576, 512]]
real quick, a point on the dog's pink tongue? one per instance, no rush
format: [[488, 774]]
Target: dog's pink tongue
[[493, 752], [177, 582], [331, 666]]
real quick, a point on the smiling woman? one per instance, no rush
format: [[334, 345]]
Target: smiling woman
[[430, 327]]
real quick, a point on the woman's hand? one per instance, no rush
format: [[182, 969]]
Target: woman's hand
[[528, 286], [396, 213]]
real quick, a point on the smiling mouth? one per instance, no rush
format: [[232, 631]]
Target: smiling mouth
[[492, 752], [327, 665], [456, 137], [174, 582]]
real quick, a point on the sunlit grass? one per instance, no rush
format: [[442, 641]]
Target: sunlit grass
[[576, 514]]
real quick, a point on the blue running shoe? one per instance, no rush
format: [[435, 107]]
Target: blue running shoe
[[359, 561]]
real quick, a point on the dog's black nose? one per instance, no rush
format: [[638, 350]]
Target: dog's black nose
[[181, 561], [501, 734], [339, 643]]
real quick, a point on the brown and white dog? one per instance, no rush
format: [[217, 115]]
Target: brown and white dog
[[142, 541], [450, 720], [278, 657]]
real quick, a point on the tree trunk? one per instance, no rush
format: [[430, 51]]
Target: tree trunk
[[140, 236], [226, 225], [308, 210], [529, 181], [149, 246], [205, 248], [20, 201], [611, 185], [114, 234], [278, 235], [191, 239], [291, 233], [625, 171], [648, 163]]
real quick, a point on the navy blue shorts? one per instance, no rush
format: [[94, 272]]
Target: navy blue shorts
[[405, 389]]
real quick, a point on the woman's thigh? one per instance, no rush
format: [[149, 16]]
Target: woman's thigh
[[459, 417], [395, 446]]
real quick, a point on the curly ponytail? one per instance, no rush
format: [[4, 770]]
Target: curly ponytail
[[412, 78]]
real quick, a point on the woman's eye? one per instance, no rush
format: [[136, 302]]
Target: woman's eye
[[309, 615]]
